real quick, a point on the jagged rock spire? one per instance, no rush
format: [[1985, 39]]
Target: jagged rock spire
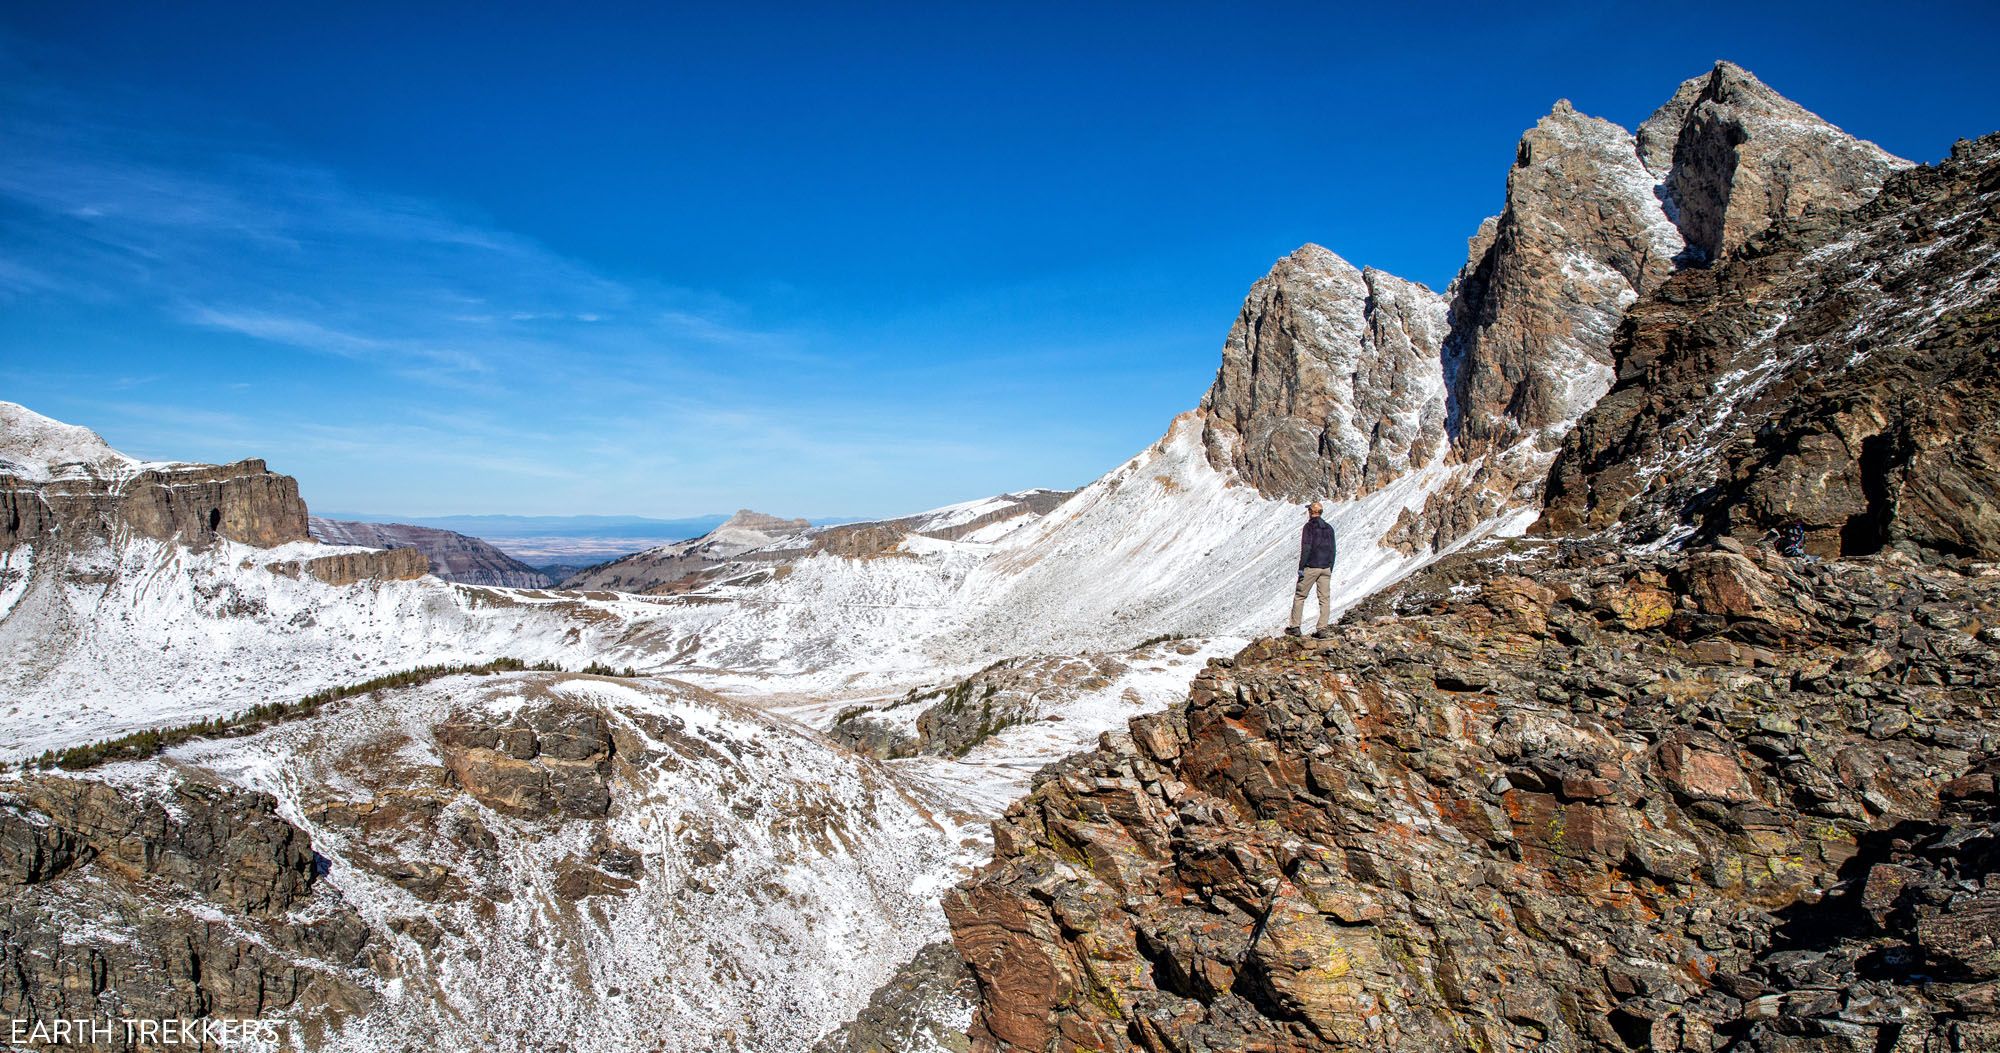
[[1733, 156], [1336, 381], [1330, 383]]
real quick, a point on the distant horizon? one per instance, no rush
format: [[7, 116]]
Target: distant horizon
[[660, 259], [585, 520]]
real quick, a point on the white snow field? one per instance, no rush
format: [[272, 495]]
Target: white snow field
[[110, 638], [779, 879]]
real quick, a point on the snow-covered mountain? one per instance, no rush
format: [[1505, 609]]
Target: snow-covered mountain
[[661, 569], [453, 556], [731, 830]]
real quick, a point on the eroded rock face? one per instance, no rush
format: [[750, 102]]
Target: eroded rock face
[[453, 556], [1335, 382], [1331, 384], [1583, 236], [190, 503], [347, 568], [1837, 371], [545, 762], [200, 903], [1734, 157], [1477, 819]]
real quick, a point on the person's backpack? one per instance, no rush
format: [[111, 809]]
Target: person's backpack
[[1792, 539]]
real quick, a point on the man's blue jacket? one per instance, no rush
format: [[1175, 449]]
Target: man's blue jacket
[[1316, 546]]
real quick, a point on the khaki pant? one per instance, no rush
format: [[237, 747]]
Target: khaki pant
[[1319, 578]]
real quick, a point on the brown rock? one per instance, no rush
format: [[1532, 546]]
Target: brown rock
[[543, 762], [1330, 385], [1703, 773], [1742, 157]]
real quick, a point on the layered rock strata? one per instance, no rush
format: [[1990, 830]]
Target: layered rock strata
[[1837, 372], [189, 503], [453, 556], [1474, 819], [198, 903]]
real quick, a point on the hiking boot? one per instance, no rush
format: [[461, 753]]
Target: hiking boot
[[1292, 630], [1324, 633]]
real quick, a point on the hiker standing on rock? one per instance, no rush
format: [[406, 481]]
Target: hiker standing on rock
[[1316, 552]]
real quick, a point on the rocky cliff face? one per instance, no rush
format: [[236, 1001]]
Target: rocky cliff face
[[1733, 157], [1641, 783], [1837, 371], [1331, 383], [453, 556], [1476, 818], [1335, 383], [61, 483], [201, 902], [192, 504], [1533, 312], [348, 568]]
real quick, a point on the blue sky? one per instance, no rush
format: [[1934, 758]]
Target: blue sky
[[669, 260]]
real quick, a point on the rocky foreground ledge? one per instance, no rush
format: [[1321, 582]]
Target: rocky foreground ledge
[[1696, 801]]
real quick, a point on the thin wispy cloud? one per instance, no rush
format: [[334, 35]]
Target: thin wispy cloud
[[294, 256], [377, 343]]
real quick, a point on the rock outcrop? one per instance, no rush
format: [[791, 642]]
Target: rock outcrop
[[1581, 238], [1331, 383], [453, 556], [1837, 371], [1336, 382], [192, 504], [899, 1019], [348, 568], [1477, 818], [1734, 157], [201, 904], [550, 761], [62, 484]]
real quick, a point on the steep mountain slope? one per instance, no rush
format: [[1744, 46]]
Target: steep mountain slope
[[1476, 820], [453, 556], [1836, 372], [1597, 792], [661, 569], [534, 861], [1336, 382]]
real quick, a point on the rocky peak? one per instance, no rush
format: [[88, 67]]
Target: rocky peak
[[38, 448], [683, 563], [1776, 387], [758, 522], [1330, 383], [1733, 156], [61, 483], [1582, 236]]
